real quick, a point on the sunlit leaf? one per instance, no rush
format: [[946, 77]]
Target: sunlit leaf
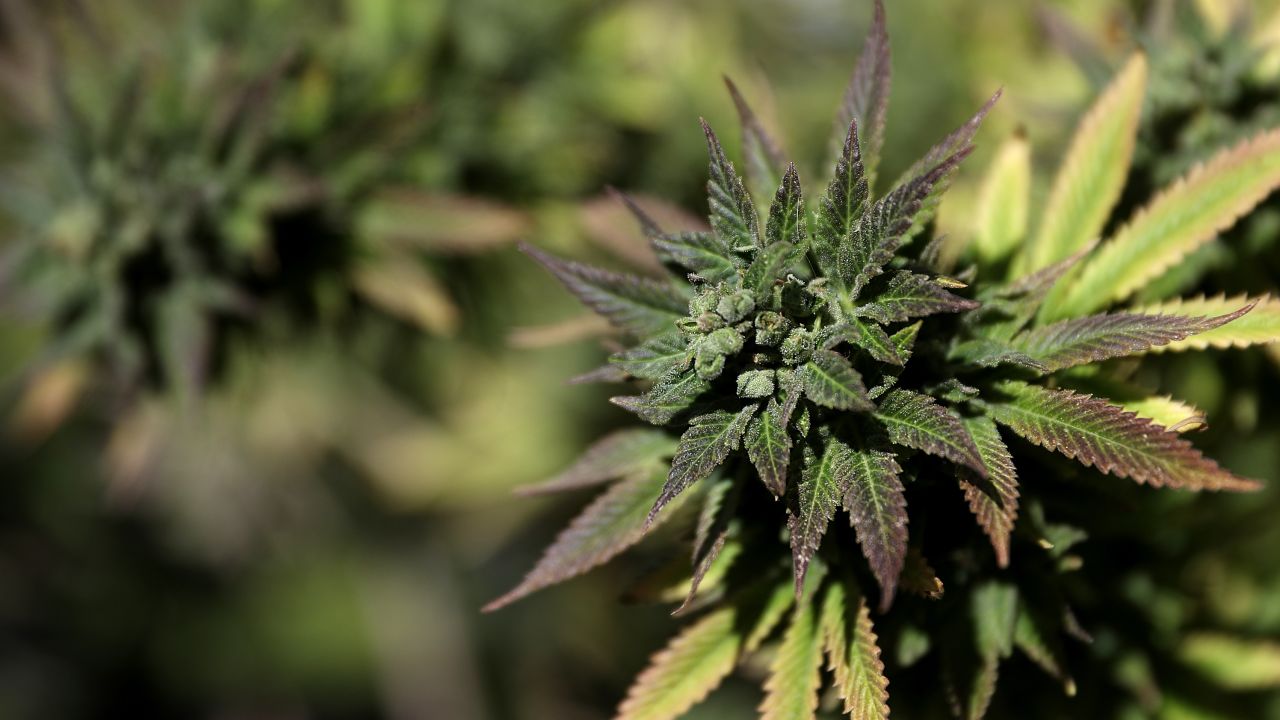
[[791, 690], [1260, 326], [918, 421], [853, 655], [1000, 220], [684, 672]]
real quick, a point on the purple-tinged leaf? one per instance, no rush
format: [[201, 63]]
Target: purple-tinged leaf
[[602, 374], [708, 441], [830, 381], [733, 216], [618, 454], [637, 305], [702, 253], [764, 158], [824, 483], [992, 353], [1011, 307], [903, 343], [919, 422], [877, 510], [866, 98], [911, 296], [786, 214], [648, 225], [657, 358], [718, 510], [612, 523], [1085, 340], [994, 500], [769, 448], [853, 654], [839, 210], [665, 400], [1101, 435]]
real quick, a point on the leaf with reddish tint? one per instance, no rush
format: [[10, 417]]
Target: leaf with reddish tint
[[1260, 327], [764, 158], [637, 305], [993, 500], [866, 98], [786, 214], [620, 453], [919, 422], [708, 441], [769, 448], [910, 295], [830, 381], [733, 216], [1099, 434], [842, 206], [665, 400], [824, 483], [878, 512]]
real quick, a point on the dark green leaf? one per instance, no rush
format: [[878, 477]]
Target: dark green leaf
[[823, 485], [769, 448], [665, 400], [702, 253], [733, 216], [708, 441], [657, 358], [918, 421], [830, 381], [839, 211], [786, 214], [910, 296]]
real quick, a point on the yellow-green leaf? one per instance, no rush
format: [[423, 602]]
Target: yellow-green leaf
[[791, 692], [1188, 214], [1234, 663], [686, 671], [1001, 219], [1167, 412], [854, 656], [1261, 325], [1093, 171]]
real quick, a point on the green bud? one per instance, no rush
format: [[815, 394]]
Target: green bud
[[736, 305], [755, 384], [771, 329], [797, 347]]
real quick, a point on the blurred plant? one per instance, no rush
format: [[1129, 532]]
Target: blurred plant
[[758, 364]]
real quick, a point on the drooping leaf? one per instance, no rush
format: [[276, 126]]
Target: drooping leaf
[[1029, 637], [712, 531], [1001, 216], [878, 512], [842, 206], [702, 253], [1099, 434], [665, 400], [1015, 304], [1191, 212], [769, 448], [866, 98], [868, 336], [853, 655], [657, 358], [786, 214], [918, 421], [708, 441], [1086, 340], [776, 605], [764, 158], [612, 523], [791, 691], [619, 453], [733, 216], [910, 295], [1093, 171], [830, 381], [684, 672], [1260, 326], [634, 304], [824, 483], [994, 501]]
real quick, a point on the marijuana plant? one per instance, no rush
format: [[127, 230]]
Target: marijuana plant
[[827, 361]]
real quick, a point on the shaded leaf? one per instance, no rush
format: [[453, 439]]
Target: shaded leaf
[[1028, 637], [708, 441], [830, 381], [713, 529], [791, 691], [1101, 337], [1092, 174], [911, 296], [992, 353], [771, 264], [1190, 213], [769, 448], [994, 501], [866, 98], [1260, 326], [619, 453], [878, 512], [853, 656], [1099, 434], [868, 336], [918, 421], [1235, 663], [683, 673], [823, 485], [733, 216], [612, 523], [657, 358], [665, 400], [634, 304], [995, 609]]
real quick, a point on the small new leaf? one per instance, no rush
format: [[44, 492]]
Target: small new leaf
[[910, 295], [786, 214], [733, 216]]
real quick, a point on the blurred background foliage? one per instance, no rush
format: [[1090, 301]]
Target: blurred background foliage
[[272, 366]]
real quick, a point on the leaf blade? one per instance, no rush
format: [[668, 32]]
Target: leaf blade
[[919, 422], [994, 501], [702, 448], [683, 673], [877, 507]]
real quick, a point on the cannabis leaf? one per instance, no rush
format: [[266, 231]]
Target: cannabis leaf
[[686, 671], [866, 99], [918, 421], [993, 500], [853, 655], [708, 441], [733, 217], [623, 452], [824, 484], [878, 512], [769, 447], [831, 381], [791, 692]]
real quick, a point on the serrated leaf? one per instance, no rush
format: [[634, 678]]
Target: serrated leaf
[[992, 353], [994, 501], [657, 358], [619, 453], [1099, 434], [791, 691], [1081, 341], [985, 675], [1029, 638], [733, 216], [868, 336], [853, 656], [612, 523], [786, 214], [1190, 213], [712, 531], [1001, 216], [830, 381], [1092, 174], [771, 264], [769, 448], [823, 485], [905, 339], [682, 674], [764, 158], [878, 512], [1260, 326], [771, 612], [919, 422], [866, 98], [702, 253], [910, 295], [637, 305], [708, 441], [1011, 307], [665, 400], [842, 206]]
